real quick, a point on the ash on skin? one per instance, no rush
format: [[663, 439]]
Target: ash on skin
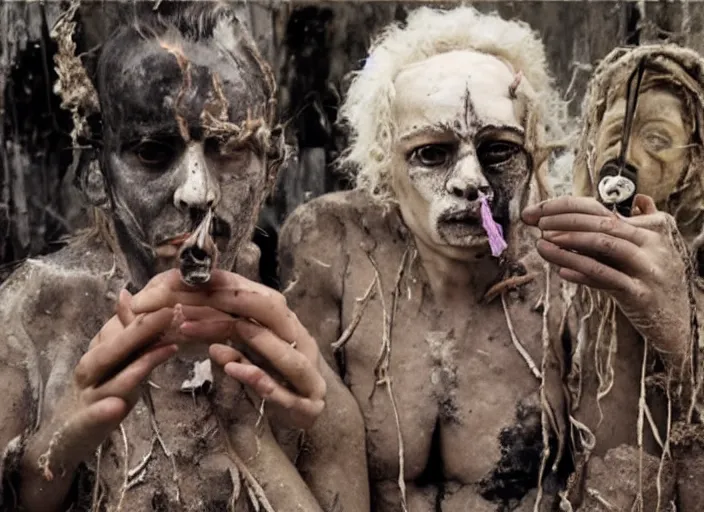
[[450, 381], [460, 138], [163, 180], [82, 425]]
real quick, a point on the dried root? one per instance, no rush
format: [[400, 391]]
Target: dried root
[[517, 343], [382, 368], [360, 306]]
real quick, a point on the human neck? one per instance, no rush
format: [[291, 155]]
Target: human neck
[[455, 279]]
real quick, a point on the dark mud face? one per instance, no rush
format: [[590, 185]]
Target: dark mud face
[[164, 164]]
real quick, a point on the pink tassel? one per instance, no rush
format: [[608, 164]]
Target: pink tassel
[[493, 230]]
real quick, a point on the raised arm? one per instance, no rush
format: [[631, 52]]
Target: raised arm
[[333, 460]]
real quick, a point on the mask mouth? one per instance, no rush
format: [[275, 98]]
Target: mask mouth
[[617, 186]]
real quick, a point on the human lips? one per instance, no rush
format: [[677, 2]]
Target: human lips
[[169, 247], [468, 216]]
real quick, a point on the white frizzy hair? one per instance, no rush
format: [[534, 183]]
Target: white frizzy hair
[[429, 32]]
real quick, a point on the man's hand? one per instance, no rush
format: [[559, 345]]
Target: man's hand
[[230, 307], [636, 260], [103, 391]]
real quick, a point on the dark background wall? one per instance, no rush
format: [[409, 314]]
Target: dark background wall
[[312, 47]]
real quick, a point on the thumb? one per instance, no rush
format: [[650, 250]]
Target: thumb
[[644, 205]]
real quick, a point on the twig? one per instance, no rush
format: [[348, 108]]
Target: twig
[[517, 343], [382, 376], [96, 485], [126, 479], [251, 483], [598, 497], [638, 504], [507, 284], [360, 306]]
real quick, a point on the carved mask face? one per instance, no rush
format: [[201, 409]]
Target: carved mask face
[[165, 168], [459, 137], [659, 145]]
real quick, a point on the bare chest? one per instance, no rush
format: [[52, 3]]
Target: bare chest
[[446, 390]]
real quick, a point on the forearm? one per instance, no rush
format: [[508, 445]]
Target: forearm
[[334, 460]]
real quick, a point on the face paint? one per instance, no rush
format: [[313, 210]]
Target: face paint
[[459, 142], [658, 146], [165, 169]]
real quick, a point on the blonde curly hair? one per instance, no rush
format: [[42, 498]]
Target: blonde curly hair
[[428, 32]]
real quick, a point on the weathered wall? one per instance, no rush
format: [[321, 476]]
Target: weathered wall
[[313, 46]]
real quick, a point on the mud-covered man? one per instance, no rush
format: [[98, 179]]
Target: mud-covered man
[[640, 151], [421, 285], [151, 407]]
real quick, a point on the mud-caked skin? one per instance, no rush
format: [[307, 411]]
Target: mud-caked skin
[[638, 274], [472, 372], [468, 404], [120, 401]]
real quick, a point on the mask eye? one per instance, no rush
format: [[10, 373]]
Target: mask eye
[[432, 155], [656, 141], [496, 152], [154, 154]]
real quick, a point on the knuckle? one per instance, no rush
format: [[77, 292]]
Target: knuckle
[[299, 365], [605, 245], [607, 224], [82, 373]]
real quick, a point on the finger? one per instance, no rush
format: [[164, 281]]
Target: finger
[[260, 303], [112, 328], [660, 223], [531, 215], [604, 277], [611, 225], [123, 311], [645, 204], [223, 354], [577, 277], [107, 355], [304, 409], [90, 427], [295, 366], [125, 382], [606, 248], [170, 290]]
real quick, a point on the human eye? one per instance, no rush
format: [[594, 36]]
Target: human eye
[[432, 155], [496, 152], [154, 154]]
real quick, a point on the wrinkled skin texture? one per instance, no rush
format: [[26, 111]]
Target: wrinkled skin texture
[[467, 403], [195, 438]]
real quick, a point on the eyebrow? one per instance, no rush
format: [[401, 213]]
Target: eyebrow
[[446, 129]]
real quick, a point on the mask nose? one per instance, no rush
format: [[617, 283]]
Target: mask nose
[[198, 190]]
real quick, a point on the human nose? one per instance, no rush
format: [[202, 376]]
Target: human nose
[[467, 180], [198, 189]]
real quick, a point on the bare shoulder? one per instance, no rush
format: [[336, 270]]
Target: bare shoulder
[[319, 232], [329, 213], [70, 290]]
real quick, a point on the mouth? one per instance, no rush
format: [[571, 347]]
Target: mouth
[[462, 217], [169, 246]]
